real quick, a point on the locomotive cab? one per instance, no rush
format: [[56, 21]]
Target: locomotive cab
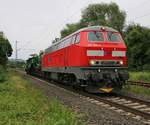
[[105, 48]]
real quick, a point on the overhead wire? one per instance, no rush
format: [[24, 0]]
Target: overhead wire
[[138, 17], [142, 16], [140, 4], [46, 33]]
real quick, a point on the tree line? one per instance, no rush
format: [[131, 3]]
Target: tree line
[[137, 37]]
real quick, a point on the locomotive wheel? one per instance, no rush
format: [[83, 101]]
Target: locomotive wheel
[[79, 85]]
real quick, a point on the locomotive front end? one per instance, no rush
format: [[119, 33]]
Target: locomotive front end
[[106, 60]]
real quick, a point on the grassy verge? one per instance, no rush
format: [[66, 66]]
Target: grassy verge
[[21, 104], [140, 76], [137, 89], [2, 74]]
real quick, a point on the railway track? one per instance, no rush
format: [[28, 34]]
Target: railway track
[[124, 105], [137, 108], [139, 83], [128, 106]]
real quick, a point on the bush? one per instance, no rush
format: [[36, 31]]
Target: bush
[[3, 74]]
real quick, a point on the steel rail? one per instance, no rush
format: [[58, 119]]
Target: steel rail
[[139, 83], [133, 99]]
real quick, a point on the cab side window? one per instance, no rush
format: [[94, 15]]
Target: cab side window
[[77, 38], [73, 39]]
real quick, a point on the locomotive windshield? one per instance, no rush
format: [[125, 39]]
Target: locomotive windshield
[[113, 37], [95, 36]]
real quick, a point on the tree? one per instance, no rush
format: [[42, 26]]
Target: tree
[[138, 42], [98, 14], [70, 28], [104, 14], [5, 50]]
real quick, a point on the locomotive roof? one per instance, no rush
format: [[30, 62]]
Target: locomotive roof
[[89, 28], [97, 28], [92, 28], [86, 29]]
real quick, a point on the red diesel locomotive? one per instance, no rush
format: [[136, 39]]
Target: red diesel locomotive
[[93, 58]]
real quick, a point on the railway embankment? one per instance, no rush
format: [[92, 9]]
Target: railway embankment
[[21, 103]]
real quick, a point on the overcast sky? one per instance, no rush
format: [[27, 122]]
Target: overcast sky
[[35, 23]]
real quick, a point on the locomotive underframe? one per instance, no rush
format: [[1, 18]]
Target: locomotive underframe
[[113, 77]]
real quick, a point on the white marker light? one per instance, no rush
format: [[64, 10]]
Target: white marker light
[[121, 62], [92, 62]]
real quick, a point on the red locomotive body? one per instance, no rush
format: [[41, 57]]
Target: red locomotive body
[[93, 57]]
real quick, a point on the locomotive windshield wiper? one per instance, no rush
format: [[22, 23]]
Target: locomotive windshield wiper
[[113, 36], [109, 34], [99, 36]]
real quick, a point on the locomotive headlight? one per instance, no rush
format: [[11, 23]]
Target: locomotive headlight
[[121, 62], [92, 62]]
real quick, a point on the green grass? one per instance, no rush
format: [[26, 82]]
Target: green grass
[[137, 89], [22, 104], [140, 76], [2, 74]]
